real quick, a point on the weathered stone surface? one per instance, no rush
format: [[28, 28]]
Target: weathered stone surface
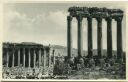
[[95, 12]]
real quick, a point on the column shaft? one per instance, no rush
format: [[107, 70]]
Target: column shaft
[[13, 52], [29, 53], [79, 37], [119, 38], [53, 57], [69, 36], [109, 37], [50, 53], [44, 56], [99, 36], [19, 57], [7, 54], [34, 58], [39, 57], [90, 43], [24, 57]]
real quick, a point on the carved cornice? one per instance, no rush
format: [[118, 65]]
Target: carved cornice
[[69, 18], [95, 12]]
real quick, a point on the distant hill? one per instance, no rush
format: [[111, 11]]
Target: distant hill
[[62, 51]]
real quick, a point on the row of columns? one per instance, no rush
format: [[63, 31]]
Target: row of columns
[[42, 54], [99, 36]]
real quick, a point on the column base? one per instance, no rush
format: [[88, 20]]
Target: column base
[[80, 60], [120, 61], [91, 63], [101, 62], [70, 60]]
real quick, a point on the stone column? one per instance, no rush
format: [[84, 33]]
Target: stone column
[[34, 58], [79, 37], [13, 58], [29, 54], [39, 57], [90, 43], [7, 55], [109, 37], [99, 36], [18, 57], [44, 56], [24, 57], [69, 36], [119, 37], [49, 56], [53, 57]]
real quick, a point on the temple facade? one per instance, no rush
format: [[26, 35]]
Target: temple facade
[[26, 55]]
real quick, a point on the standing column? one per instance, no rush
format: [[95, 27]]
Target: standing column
[[79, 37], [69, 36], [29, 54], [90, 50], [99, 36], [34, 58], [109, 37], [53, 57], [44, 56], [50, 54], [7, 55], [24, 57], [18, 57], [39, 57], [119, 37], [13, 52]]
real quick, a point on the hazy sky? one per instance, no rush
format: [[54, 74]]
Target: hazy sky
[[46, 23]]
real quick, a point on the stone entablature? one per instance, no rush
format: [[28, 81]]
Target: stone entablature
[[95, 12], [24, 45]]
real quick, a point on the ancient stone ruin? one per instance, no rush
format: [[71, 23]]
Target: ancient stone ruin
[[99, 14]]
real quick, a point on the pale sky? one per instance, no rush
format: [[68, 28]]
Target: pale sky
[[46, 23]]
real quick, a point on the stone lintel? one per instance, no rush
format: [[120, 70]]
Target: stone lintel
[[95, 12]]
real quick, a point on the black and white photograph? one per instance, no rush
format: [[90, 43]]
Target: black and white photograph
[[64, 41]]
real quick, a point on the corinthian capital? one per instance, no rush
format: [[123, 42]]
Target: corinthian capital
[[69, 18], [89, 18], [118, 18], [99, 19], [79, 18], [108, 18]]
